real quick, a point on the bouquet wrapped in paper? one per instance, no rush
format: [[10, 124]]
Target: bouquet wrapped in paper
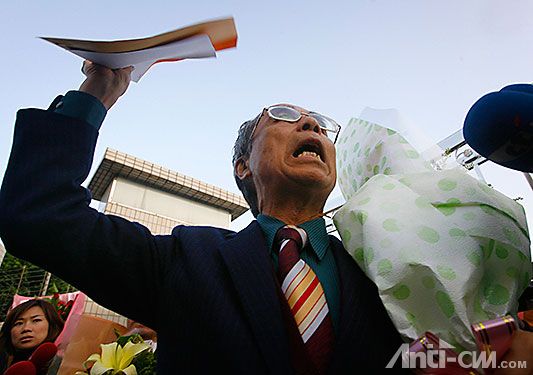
[[444, 249]]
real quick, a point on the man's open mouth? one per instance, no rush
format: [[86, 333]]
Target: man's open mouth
[[309, 148]]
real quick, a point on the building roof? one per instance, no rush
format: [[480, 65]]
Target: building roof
[[120, 164]]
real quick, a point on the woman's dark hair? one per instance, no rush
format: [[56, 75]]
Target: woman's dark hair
[[55, 323]]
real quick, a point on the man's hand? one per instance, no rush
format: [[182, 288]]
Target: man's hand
[[521, 350], [105, 84]]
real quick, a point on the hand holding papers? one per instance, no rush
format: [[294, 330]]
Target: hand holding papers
[[196, 41]]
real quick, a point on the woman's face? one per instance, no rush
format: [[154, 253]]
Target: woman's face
[[30, 329]]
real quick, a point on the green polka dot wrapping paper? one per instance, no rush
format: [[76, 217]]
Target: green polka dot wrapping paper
[[444, 249]]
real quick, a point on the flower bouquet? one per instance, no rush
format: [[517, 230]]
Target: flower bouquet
[[63, 308], [444, 249], [129, 355]]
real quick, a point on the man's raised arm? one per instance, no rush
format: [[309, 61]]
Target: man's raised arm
[[45, 216]]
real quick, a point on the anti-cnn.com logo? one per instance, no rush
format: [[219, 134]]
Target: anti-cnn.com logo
[[437, 358]]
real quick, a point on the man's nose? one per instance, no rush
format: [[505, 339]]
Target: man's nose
[[310, 124]]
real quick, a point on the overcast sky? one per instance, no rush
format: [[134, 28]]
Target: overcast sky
[[431, 60]]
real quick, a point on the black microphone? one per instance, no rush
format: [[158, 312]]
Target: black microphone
[[499, 126]]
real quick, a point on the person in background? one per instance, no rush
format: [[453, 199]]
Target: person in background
[[27, 326]]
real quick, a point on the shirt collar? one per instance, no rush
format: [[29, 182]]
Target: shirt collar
[[315, 229]]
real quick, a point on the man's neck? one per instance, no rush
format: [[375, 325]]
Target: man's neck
[[292, 212]]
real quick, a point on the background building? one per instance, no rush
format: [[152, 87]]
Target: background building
[[158, 197]]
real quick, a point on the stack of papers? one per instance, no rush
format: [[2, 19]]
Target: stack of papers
[[192, 42]]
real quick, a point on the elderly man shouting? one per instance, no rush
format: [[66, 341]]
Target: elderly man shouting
[[280, 296]]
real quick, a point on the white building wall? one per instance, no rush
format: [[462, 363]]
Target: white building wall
[[153, 200]]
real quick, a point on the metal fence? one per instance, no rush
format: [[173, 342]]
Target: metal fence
[[94, 309], [28, 280], [32, 281]]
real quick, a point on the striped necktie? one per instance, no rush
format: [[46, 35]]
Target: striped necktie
[[305, 296]]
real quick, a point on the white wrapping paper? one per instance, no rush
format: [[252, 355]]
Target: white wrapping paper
[[444, 249]]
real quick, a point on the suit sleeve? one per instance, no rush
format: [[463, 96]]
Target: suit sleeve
[[45, 218]]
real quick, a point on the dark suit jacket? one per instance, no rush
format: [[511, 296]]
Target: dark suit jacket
[[210, 293]]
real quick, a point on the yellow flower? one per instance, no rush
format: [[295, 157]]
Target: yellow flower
[[115, 358]]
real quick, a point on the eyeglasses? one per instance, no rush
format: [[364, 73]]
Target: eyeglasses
[[288, 114]]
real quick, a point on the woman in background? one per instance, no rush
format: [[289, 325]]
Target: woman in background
[[27, 326]]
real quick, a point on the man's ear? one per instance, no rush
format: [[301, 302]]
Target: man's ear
[[241, 169]]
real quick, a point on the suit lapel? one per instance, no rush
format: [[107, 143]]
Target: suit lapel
[[367, 336], [247, 259], [352, 312]]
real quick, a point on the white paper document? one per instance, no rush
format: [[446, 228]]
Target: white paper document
[[192, 42], [197, 46]]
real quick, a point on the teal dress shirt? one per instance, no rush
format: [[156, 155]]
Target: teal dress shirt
[[318, 256], [82, 106]]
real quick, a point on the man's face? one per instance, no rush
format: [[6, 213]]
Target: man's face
[[292, 155]]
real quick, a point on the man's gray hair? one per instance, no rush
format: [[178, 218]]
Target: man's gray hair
[[242, 150]]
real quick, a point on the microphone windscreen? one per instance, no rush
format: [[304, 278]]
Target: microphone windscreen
[[42, 356], [499, 126], [21, 368]]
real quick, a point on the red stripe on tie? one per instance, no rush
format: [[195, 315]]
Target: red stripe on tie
[[307, 271], [317, 314], [304, 296]]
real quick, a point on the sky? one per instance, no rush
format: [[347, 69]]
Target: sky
[[430, 60]]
